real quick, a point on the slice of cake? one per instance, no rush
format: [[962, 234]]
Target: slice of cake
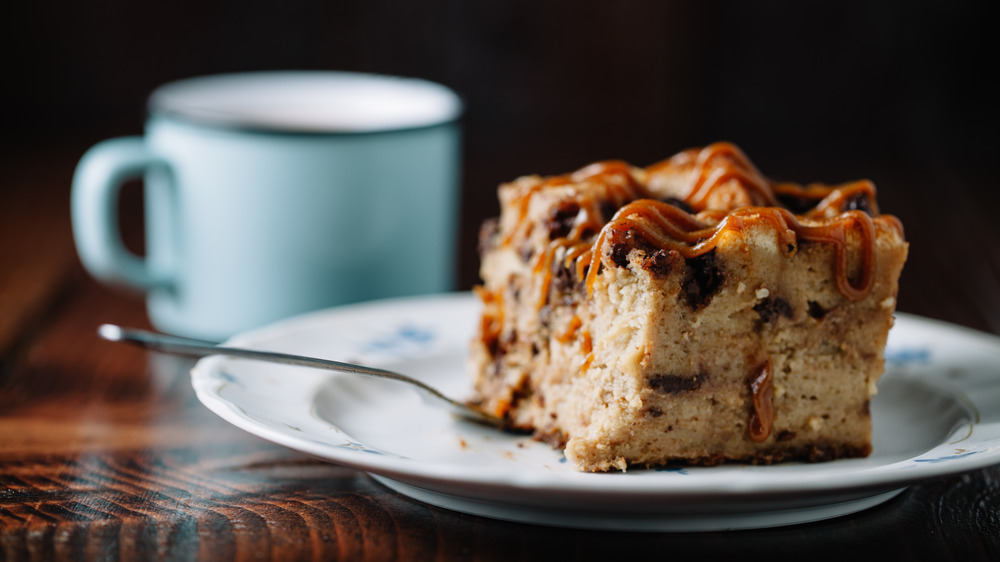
[[691, 311]]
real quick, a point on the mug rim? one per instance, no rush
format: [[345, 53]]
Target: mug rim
[[264, 130], [215, 100]]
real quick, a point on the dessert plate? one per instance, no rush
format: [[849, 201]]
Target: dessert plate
[[937, 413]]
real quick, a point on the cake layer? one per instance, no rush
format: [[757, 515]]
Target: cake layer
[[690, 311]]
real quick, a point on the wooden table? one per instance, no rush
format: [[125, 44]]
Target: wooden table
[[103, 457]]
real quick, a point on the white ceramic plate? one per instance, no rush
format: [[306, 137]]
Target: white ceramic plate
[[937, 413]]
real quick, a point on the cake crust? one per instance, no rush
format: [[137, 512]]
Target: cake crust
[[689, 312]]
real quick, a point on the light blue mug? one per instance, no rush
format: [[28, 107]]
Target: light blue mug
[[275, 193]]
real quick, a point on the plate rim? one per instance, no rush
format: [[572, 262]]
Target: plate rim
[[422, 473]]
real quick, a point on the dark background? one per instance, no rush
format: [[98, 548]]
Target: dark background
[[896, 91]]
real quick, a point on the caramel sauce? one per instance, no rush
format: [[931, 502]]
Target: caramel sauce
[[491, 324], [762, 396], [503, 407], [577, 252], [543, 265], [670, 228], [616, 175], [574, 325], [587, 347], [710, 174], [622, 187], [832, 199]]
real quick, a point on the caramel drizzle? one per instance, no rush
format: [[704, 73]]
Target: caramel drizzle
[[714, 166], [709, 174], [543, 263], [831, 198], [491, 325], [720, 163], [605, 172], [670, 228], [592, 218], [762, 395], [574, 325], [587, 347]]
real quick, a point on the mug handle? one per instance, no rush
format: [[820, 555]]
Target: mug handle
[[97, 183]]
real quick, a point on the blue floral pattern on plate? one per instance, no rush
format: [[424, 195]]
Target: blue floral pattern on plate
[[908, 355], [402, 341], [389, 433]]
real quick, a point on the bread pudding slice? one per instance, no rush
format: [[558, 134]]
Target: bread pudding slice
[[691, 311]]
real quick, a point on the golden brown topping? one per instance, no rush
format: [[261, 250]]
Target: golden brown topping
[[718, 176], [617, 178], [664, 226], [724, 190]]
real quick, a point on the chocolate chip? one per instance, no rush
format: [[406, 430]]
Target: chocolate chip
[[564, 280], [504, 343], [816, 311], [562, 219], [702, 280], [521, 392], [654, 412], [499, 347], [493, 347], [673, 384], [771, 308], [622, 244], [661, 262], [619, 253], [858, 202]]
